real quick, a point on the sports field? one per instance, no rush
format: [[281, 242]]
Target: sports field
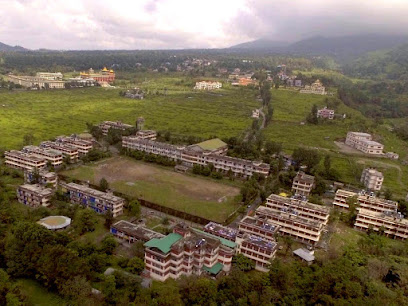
[[194, 195]]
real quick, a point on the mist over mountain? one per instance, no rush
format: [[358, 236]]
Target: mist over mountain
[[7, 48]]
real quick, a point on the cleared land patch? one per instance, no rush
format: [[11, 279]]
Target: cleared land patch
[[197, 196]]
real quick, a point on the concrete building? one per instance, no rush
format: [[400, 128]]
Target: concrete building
[[83, 146], [133, 232], [34, 195], [36, 82], [372, 179], [221, 231], [291, 224], [51, 156], [365, 200], [187, 252], [64, 148], [325, 113], [316, 88], [392, 222], [146, 134], [116, 125], [24, 161], [207, 85], [45, 178], [364, 143], [215, 146], [301, 208], [302, 184], [199, 154], [104, 75], [50, 75], [97, 200]]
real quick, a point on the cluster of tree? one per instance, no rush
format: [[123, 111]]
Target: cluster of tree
[[210, 170], [148, 157], [95, 154]]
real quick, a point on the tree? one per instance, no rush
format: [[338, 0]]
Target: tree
[[28, 139], [108, 219], [312, 116], [135, 265], [76, 289], [307, 157], [327, 164], [108, 245], [134, 208], [86, 221], [243, 263], [388, 194], [103, 184]]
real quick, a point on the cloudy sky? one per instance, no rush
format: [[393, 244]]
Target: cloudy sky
[[174, 24]]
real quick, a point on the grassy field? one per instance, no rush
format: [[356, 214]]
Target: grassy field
[[38, 295], [194, 195], [47, 114]]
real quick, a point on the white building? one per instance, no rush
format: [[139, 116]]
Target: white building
[[372, 179], [207, 85], [50, 75], [316, 88], [364, 143]]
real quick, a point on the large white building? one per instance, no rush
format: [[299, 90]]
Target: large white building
[[35, 81], [364, 143], [303, 184], [316, 88], [207, 85], [50, 75], [372, 179]]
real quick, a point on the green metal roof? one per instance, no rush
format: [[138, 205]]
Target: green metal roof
[[212, 144], [163, 244], [215, 269], [224, 241]]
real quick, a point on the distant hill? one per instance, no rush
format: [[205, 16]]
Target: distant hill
[[7, 48], [342, 48]]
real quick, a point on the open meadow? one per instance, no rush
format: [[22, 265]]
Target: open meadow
[[180, 110], [198, 196]]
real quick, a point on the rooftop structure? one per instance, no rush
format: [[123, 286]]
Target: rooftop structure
[[364, 143], [99, 201], [55, 223], [325, 113], [392, 222], [24, 161], [216, 146], [305, 255], [303, 184], [221, 231], [133, 232], [372, 179], [207, 85], [34, 195]]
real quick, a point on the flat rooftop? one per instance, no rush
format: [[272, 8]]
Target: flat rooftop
[[211, 144], [222, 231], [55, 222], [260, 242], [135, 230], [38, 189], [91, 191]]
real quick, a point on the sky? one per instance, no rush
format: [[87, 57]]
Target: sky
[[177, 24]]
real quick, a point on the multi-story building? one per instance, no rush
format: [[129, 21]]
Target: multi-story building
[[187, 252], [116, 125], [34, 195], [207, 85], [392, 222], [104, 75], [36, 82], [316, 88], [133, 232], [372, 179], [44, 178], [289, 223], [364, 200], [99, 201], [83, 146], [146, 134], [191, 157], [258, 226], [303, 209], [325, 113], [50, 75], [261, 251], [24, 161], [364, 143], [303, 184], [51, 156], [64, 148]]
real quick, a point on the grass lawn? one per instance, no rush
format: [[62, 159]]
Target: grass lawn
[[47, 114], [198, 196], [38, 295]]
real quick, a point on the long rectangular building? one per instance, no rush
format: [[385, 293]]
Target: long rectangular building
[[239, 167], [66, 149], [303, 209], [34, 195], [393, 223], [52, 156], [99, 201], [116, 125], [133, 232], [83, 146], [364, 143], [24, 161]]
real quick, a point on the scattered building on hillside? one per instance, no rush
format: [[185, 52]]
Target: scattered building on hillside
[[97, 200], [187, 252], [392, 223], [365, 200], [24, 161], [135, 93], [303, 184], [36, 82], [372, 179], [116, 125], [207, 85], [104, 75], [52, 157], [392, 155], [55, 223], [44, 178], [316, 88], [133, 232], [255, 113], [34, 195], [325, 113], [364, 143]]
